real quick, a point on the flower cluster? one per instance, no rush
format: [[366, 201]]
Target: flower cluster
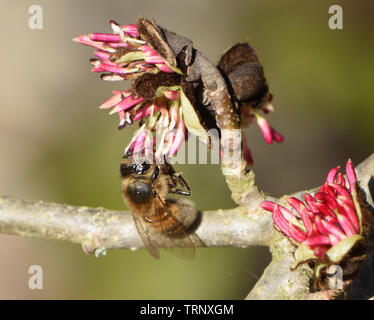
[[160, 100], [328, 224], [124, 55]]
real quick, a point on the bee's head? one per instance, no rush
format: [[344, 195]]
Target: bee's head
[[134, 168]]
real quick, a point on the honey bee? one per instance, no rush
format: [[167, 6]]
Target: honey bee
[[161, 222]]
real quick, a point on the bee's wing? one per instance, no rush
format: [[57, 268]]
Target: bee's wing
[[183, 247], [146, 235], [157, 234], [181, 244]]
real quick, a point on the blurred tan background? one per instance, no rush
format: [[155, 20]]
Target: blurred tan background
[[56, 145]]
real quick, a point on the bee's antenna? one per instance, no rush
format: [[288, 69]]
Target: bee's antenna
[[129, 154]]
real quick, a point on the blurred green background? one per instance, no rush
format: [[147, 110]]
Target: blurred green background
[[56, 145]]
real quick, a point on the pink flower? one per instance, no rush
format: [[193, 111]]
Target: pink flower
[[122, 53], [327, 225], [250, 115]]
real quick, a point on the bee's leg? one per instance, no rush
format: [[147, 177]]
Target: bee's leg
[[156, 195], [181, 180], [155, 173], [178, 191], [175, 180]]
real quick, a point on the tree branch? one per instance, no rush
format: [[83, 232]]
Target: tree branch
[[98, 229]]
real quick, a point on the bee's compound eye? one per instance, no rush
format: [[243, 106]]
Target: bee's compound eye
[[122, 170], [140, 168], [125, 170], [140, 191], [145, 166]]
